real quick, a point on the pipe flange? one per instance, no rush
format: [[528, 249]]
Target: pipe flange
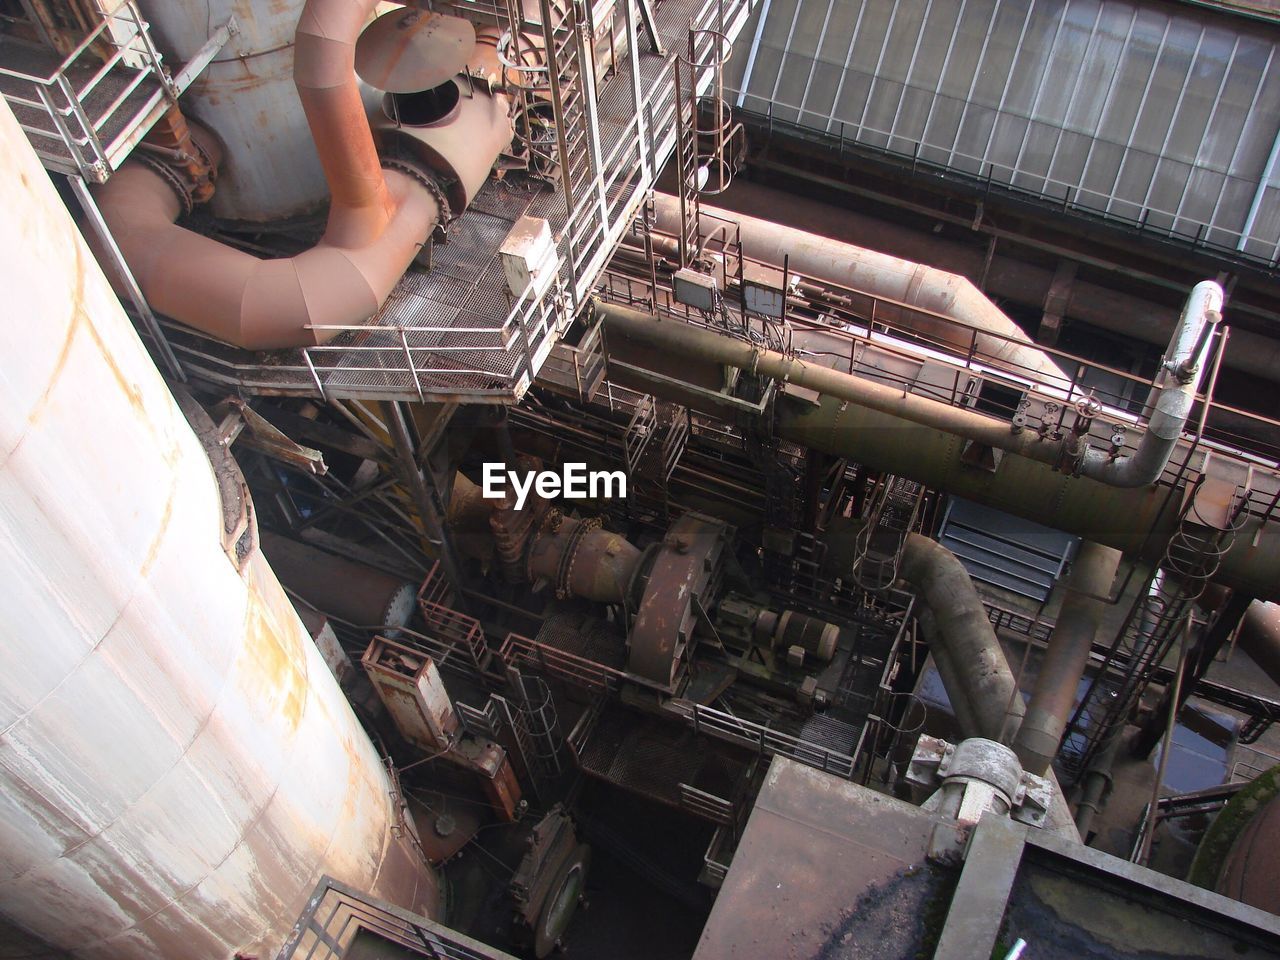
[[175, 180], [587, 526], [567, 556], [429, 182]]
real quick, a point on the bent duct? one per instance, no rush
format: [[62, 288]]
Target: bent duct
[[970, 660], [377, 220]]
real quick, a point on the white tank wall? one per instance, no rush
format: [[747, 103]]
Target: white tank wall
[[246, 96], [177, 765]]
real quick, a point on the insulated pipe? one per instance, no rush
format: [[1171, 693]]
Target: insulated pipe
[[881, 275], [1171, 397], [1067, 656], [981, 674], [377, 220]]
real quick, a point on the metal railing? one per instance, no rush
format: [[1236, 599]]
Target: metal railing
[[723, 726], [706, 806], [337, 917], [575, 371], [962, 359], [75, 112], [520, 651]]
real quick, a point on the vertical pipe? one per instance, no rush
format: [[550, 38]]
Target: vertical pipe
[[1067, 656]]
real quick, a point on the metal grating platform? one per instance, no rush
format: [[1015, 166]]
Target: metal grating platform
[[85, 112], [454, 334]]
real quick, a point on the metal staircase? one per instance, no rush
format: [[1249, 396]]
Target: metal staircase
[[571, 85], [1206, 531]]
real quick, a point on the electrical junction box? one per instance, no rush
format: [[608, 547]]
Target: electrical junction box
[[762, 289], [694, 289], [411, 688], [529, 257]]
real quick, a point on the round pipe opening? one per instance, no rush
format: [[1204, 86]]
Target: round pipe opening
[[426, 108]]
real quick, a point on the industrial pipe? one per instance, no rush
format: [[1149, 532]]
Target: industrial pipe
[[878, 274], [915, 437], [1066, 657], [982, 678], [1171, 396], [378, 220], [1259, 637]]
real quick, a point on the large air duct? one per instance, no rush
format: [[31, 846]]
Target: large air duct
[[178, 767], [916, 285], [378, 220], [914, 436]]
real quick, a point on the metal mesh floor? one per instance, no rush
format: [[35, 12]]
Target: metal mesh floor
[[584, 636], [38, 61]]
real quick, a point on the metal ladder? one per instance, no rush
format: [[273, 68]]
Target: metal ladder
[[894, 508], [687, 154], [571, 85], [1150, 629]]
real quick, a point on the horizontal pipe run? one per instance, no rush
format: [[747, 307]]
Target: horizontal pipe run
[[1171, 398], [682, 339]]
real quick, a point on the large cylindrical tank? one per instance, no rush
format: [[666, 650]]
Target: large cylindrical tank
[[246, 96], [178, 768]]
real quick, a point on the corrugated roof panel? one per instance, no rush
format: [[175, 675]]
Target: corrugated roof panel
[[1151, 112]]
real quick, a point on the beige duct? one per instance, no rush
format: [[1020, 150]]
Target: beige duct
[[878, 274], [377, 222]]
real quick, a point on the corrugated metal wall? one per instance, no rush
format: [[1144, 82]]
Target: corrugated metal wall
[[1150, 112]]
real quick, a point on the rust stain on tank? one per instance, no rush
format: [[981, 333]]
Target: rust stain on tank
[[274, 665], [78, 319]]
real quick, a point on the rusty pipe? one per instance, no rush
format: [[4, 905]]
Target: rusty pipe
[[594, 564], [1067, 656], [324, 62]]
